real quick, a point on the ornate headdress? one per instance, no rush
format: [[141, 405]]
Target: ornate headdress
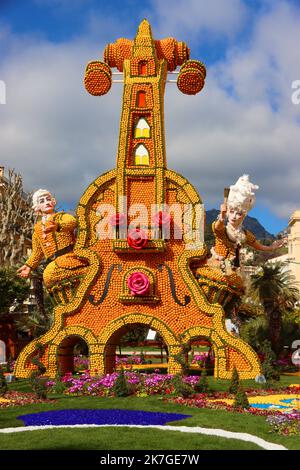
[[241, 195]]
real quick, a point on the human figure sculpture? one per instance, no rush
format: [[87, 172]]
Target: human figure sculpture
[[53, 240], [231, 237], [222, 269]]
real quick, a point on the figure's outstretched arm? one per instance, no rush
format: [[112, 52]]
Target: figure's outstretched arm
[[275, 245], [219, 224], [34, 259], [24, 271]]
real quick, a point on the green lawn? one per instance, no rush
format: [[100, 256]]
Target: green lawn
[[122, 439], [126, 438]]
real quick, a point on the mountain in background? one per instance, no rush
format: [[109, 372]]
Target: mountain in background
[[250, 223]]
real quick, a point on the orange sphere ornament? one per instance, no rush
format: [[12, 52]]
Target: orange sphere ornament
[[191, 77], [97, 79]]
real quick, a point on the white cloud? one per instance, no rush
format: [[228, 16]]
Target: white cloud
[[51, 130], [194, 18], [60, 137]]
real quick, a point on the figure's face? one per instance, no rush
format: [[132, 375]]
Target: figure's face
[[235, 216], [46, 204]]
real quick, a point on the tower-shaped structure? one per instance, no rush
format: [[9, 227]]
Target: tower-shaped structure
[[140, 231]]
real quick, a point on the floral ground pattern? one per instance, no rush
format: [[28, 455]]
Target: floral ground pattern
[[112, 416]]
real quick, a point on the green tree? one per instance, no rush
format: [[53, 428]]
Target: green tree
[[241, 400], [39, 320], [181, 359], [277, 292], [181, 388], [235, 381], [202, 386], [255, 331], [269, 367], [38, 383], [248, 309], [34, 323], [290, 327], [209, 363], [12, 289], [16, 220], [121, 387]]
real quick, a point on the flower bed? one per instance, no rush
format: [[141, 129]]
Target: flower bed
[[282, 420], [286, 424], [145, 384], [112, 417], [140, 384], [13, 398]]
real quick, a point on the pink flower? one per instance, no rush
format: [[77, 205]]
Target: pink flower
[[137, 238], [117, 220], [138, 283], [161, 218]]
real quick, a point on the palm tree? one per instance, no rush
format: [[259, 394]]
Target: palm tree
[[34, 324], [277, 292]]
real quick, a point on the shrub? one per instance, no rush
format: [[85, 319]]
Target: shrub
[[38, 383], [121, 387], [10, 365], [12, 288], [180, 358], [241, 400], [255, 331], [202, 386], [209, 365], [269, 366], [58, 385], [181, 388], [235, 382]]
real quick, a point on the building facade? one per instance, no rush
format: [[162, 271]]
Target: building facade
[[292, 258]]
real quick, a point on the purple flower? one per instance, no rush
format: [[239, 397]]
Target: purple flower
[[71, 417]]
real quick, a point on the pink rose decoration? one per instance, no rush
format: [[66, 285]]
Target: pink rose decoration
[[117, 220], [137, 238], [161, 218], [138, 283]]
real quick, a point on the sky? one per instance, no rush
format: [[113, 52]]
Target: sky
[[245, 120]]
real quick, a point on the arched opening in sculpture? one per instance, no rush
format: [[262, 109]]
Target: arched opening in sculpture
[[72, 354], [200, 354], [129, 346]]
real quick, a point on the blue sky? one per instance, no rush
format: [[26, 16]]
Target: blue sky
[[244, 121]]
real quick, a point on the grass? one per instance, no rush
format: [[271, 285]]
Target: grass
[[109, 439], [123, 439]]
